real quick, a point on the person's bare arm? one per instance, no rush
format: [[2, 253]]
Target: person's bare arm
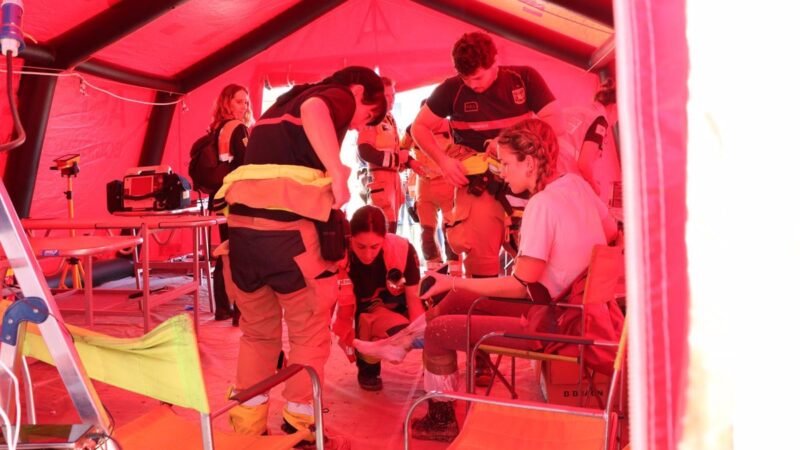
[[423, 129], [526, 269], [413, 302], [318, 127]]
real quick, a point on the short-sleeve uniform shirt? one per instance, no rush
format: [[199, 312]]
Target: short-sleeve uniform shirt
[[475, 117], [561, 225]]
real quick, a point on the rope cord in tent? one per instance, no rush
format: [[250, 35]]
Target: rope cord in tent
[[13, 106], [85, 82]]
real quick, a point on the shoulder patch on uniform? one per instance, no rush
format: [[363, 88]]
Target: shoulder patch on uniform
[[470, 106], [518, 95]]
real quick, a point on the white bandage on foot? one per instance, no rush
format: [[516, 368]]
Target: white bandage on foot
[[395, 347], [382, 350]]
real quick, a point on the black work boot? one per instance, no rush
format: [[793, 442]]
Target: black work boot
[[439, 424], [369, 375]]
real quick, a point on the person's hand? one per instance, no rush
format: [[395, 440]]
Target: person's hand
[[453, 171], [402, 157], [343, 328], [346, 344], [491, 148], [442, 284], [341, 192], [418, 168]]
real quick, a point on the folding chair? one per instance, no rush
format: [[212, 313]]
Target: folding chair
[[139, 365], [602, 279], [493, 423]]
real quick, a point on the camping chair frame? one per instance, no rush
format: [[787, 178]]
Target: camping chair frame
[[264, 386], [598, 254], [608, 413], [514, 353], [473, 350], [174, 335], [480, 348]]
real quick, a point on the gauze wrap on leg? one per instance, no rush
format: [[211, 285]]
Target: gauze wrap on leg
[[441, 383], [395, 347]]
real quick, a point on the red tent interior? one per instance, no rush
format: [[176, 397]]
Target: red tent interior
[[113, 58]]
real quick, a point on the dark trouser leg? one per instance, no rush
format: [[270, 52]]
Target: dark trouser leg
[[430, 251], [223, 307], [451, 255], [221, 302]]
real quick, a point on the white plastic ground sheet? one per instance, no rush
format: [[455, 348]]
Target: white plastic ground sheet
[[370, 420]]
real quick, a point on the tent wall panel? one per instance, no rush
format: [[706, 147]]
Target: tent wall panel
[[652, 111], [35, 97], [107, 133]]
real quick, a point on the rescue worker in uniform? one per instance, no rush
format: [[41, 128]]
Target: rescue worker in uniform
[[379, 288], [379, 147], [480, 101], [275, 271], [434, 194], [230, 121]]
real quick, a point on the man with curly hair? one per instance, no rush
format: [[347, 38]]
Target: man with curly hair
[[482, 100]]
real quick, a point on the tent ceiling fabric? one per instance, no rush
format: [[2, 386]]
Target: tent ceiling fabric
[[42, 23], [197, 28], [366, 30], [388, 34]]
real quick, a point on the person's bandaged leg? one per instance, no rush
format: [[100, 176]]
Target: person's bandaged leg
[[395, 347]]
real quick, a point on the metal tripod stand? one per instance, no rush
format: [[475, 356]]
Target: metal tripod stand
[[67, 165]]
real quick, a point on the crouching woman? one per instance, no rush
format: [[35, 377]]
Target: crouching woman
[[379, 294]]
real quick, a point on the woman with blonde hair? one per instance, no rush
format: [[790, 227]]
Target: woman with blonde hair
[[232, 108], [231, 120]]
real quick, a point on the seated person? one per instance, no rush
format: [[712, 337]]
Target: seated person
[[562, 222], [383, 271]]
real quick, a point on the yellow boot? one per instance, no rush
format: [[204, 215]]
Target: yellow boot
[[249, 419], [295, 421]]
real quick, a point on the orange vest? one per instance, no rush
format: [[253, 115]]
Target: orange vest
[[395, 252], [383, 137]]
